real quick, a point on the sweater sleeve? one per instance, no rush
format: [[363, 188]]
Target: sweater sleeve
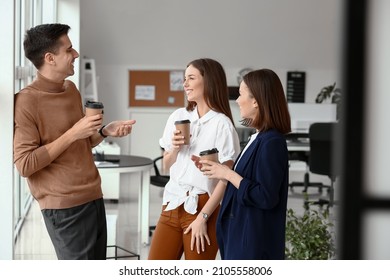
[[29, 156]]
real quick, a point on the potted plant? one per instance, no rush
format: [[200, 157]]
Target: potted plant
[[309, 237], [333, 93]]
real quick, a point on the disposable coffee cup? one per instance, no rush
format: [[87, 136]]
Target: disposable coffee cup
[[211, 154], [93, 108], [184, 127]]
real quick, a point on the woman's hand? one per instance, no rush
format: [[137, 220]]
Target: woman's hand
[[222, 172], [119, 128], [196, 160], [177, 140], [199, 235], [214, 170]]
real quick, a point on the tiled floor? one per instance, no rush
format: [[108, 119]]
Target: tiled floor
[[33, 241]]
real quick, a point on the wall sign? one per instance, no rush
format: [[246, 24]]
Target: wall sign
[[296, 86]]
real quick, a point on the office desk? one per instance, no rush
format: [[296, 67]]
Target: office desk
[[298, 151], [298, 146], [133, 164], [298, 141]]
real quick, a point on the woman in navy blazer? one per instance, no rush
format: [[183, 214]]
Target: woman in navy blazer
[[251, 222]]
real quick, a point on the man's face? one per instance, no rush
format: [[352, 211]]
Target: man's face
[[64, 58]]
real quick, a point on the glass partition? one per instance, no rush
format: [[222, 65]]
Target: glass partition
[[28, 13]]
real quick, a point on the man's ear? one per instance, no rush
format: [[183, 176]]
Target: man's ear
[[49, 58]]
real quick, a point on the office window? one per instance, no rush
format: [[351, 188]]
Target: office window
[[28, 13]]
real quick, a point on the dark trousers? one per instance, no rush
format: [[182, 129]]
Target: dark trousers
[[78, 233]]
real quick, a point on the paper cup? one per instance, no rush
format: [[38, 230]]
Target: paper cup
[[93, 108], [211, 154], [184, 127]]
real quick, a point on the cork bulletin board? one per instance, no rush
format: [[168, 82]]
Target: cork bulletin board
[[156, 88]]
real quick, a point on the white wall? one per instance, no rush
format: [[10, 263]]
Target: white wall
[[282, 35], [68, 12]]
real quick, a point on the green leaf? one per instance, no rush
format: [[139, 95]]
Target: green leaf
[[309, 236]]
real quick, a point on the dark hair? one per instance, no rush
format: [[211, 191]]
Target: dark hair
[[42, 39], [266, 88], [216, 93]]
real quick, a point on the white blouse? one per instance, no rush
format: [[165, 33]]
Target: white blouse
[[252, 138], [213, 130]]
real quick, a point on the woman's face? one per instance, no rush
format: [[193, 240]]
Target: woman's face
[[193, 84], [246, 102]]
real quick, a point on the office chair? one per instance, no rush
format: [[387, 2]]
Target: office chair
[[322, 144], [293, 139], [157, 180]]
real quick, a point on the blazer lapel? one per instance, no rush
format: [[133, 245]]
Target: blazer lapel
[[241, 168]]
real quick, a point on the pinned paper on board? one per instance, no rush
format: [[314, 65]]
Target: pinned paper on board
[[176, 80], [156, 88], [143, 92]]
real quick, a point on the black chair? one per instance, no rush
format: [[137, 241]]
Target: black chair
[[294, 139], [321, 159], [157, 180]]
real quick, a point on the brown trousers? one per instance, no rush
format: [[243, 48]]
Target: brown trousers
[[169, 241]]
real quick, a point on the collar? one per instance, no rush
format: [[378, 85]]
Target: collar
[[208, 116], [45, 84]]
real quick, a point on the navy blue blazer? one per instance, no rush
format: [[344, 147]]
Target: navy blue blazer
[[252, 219]]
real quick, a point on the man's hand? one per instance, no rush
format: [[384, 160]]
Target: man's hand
[[86, 126], [118, 128]]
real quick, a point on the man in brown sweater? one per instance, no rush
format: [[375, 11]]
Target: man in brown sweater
[[53, 142]]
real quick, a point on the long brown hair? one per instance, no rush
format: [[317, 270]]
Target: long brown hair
[[216, 93], [266, 88]]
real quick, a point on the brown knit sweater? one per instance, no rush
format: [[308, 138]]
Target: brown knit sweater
[[44, 110]]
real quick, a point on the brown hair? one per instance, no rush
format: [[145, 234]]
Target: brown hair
[[266, 88], [216, 93], [42, 39]]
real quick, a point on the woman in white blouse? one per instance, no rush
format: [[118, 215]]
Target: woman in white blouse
[[191, 201]]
